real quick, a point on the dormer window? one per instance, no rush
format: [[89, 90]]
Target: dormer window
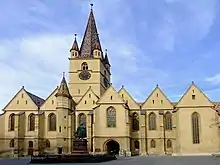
[[84, 66]]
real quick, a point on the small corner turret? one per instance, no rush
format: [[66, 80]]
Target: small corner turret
[[74, 51], [64, 98], [106, 61], [97, 52], [63, 90]]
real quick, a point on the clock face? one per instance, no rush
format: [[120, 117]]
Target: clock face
[[84, 75], [105, 82]]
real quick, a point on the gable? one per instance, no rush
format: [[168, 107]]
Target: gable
[[200, 99], [157, 100], [127, 97], [111, 96], [88, 101], [21, 101], [51, 101]]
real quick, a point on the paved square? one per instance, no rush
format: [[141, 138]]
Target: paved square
[[139, 160]]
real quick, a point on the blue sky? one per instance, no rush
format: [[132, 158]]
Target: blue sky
[[149, 42]]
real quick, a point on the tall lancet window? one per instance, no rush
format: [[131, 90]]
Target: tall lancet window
[[11, 122], [135, 122], [168, 121], [52, 122], [152, 121], [111, 117], [31, 120], [195, 128]]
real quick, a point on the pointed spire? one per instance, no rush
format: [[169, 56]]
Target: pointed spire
[[91, 37], [106, 58], [75, 44], [63, 89]]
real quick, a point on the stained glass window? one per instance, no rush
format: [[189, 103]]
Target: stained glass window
[[135, 122], [31, 122], [195, 128], [52, 122], [82, 118], [152, 121], [111, 117], [11, 122], [168, 121]]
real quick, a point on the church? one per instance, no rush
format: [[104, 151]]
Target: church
[[114, 120]]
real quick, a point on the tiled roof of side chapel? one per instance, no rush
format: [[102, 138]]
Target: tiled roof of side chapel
[[91, 38], [36, 99]]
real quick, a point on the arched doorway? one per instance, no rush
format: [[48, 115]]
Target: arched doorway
[[112, 147]]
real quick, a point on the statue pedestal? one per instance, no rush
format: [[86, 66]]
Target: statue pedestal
[[80, 147], [79, 154]]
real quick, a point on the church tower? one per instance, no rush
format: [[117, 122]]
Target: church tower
[[88, 65]]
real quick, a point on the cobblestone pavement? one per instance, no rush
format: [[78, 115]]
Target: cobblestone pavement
[[139, 160]]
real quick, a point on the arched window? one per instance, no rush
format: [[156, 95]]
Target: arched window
[[136, 144], [152, 121], [168, 121], [31, 120], [12, 143], [82, 118], [84, 66], [135, 122], [11, 122], [52, 122], [195, 128], [169, 143], [111, 117], [47, 143], [152, 143]]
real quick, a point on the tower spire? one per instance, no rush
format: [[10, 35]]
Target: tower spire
[[91, 37], [75, 44]]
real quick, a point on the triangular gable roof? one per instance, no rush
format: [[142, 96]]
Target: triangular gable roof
[[129, 96], [193, 85], [157, 88], [107, 93], [50, 95], [36, 99], [88, 90]]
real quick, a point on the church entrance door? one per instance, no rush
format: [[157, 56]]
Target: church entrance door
[[113, 147]]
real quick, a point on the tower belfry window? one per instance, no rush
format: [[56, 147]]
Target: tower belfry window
[[84, 66]]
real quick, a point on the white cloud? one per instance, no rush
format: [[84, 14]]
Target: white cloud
[[214, 79], [182, 21], [37, 62]]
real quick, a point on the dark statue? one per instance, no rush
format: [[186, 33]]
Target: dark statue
[[81, 131]]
